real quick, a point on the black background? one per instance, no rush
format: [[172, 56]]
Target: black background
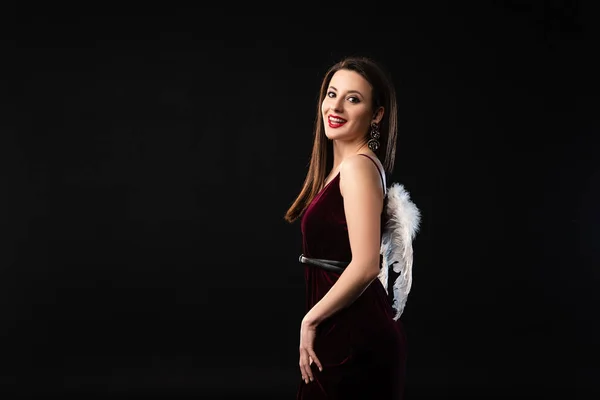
[[150, 153]]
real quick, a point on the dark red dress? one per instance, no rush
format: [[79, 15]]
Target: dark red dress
[[362, 349]]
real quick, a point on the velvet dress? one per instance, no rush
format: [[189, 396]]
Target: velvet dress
[[362, 348]]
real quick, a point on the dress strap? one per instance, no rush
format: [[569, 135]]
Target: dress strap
[[378, 170]]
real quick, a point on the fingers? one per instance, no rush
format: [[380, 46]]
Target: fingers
[[313, 357], [307, 357], [305, 367]]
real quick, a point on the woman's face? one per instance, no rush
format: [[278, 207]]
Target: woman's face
[[346, 107]]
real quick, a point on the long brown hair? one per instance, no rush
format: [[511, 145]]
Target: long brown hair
[[384, 95]]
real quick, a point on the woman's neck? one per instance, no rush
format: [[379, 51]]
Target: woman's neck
[[343, 150]]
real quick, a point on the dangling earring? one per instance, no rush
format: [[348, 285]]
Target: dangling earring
[[374, 142]]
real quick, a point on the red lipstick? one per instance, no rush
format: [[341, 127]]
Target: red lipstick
[[335, 121]]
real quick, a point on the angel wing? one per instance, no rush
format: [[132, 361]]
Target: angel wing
[[403, 219]]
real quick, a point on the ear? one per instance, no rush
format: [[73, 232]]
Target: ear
[[378, 115]]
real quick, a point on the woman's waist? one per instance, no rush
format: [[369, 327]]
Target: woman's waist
[[330, 248], [319, 281], [363, 317]]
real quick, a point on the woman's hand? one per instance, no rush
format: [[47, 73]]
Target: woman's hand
[[307, 354]]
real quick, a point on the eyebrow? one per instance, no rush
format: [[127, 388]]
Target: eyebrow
[[349, 91]]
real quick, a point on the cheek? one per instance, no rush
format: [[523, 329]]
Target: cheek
[[325, 104], [363, 119]]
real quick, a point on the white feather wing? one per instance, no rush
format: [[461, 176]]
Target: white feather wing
[[403, 219]]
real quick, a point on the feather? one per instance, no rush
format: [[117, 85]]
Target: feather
[[402, 224]]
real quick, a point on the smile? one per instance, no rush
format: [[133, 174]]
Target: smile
[[335, 122]]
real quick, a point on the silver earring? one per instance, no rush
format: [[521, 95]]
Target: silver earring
[[374, 142]]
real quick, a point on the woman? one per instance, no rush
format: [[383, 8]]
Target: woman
[[351, 345]]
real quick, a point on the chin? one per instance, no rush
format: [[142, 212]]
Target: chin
[[332, 134], [341, 136]]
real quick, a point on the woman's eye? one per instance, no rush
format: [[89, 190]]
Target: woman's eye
[[351, 99]]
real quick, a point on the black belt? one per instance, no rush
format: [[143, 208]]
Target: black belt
[[329, 265]]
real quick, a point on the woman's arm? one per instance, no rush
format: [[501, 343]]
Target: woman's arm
[[362, 191]]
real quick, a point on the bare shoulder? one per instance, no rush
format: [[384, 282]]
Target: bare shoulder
[[359, 172]]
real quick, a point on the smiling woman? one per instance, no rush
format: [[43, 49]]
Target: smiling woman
[[357, 115], [352, 343]]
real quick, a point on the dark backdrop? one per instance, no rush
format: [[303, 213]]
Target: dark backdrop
[[149, 156]]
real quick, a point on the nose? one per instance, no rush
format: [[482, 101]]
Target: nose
[[336, 104]]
